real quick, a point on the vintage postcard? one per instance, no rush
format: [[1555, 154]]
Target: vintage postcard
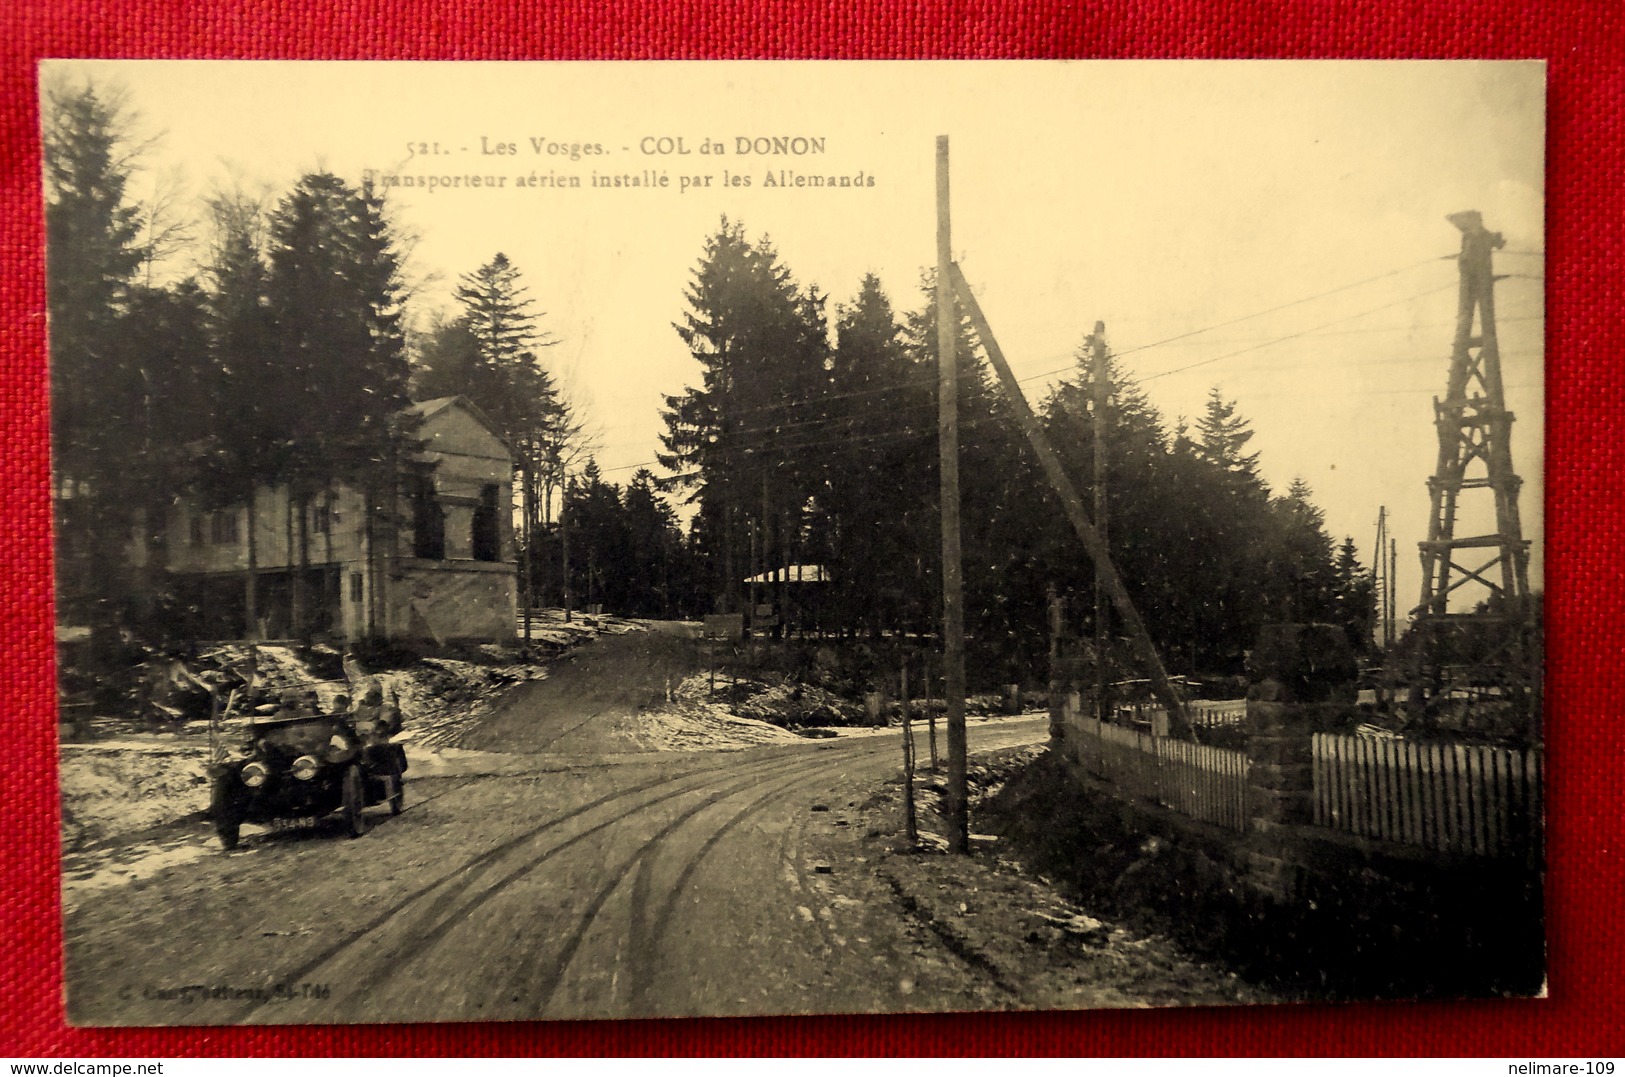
[[602, 540]]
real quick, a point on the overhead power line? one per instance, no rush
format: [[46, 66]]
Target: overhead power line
[[1295, 336], [917, 383]]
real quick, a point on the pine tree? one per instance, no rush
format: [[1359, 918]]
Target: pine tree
[[744, 442], [93, 231], [654, 544], [334, 291], [1223, 437], [1300, 559], [876, 491], [997, 473], [165, 338], [504, 376], [1354, 598], [1144, 534], [253, 395]]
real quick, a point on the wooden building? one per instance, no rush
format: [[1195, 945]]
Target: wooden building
[[432, 562]]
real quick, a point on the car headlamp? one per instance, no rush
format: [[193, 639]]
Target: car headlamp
[[254, 775], [304, 768]]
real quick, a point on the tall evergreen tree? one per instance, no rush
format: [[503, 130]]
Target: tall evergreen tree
[[1142, 530], [334, 290], [1302, 585], [489, 354], [503, 373], [1354, 598], [739, 442], [1223, 436], [93, 232], [878, 502], [654, 550], [254, 393]]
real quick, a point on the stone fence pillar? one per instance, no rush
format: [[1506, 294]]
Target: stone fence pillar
[[1303, 682]]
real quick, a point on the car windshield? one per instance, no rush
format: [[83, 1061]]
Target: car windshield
[[299, 735]]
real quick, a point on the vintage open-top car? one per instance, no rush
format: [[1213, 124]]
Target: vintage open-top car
[[305, 766]]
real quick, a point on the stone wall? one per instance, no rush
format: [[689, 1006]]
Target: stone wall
[[1389, 917]]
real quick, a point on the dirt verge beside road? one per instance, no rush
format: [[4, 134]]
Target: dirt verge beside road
[[1039, 949]]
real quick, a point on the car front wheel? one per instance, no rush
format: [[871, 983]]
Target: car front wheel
[[355, 799]]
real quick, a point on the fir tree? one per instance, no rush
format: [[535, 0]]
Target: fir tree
[[1223, 436], [334, 290], [744, 442], [93, 231]]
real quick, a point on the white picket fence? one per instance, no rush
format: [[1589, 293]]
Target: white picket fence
[[1450, 797], [1202, 714], [1199, 781]]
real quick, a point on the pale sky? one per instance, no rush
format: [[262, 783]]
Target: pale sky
[[1158, 197]]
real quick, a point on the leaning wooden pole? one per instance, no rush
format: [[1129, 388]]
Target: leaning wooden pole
[[1144, 649], [953, 597]]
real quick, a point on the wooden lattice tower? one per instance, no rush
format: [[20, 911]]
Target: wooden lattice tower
[[1474, 614]]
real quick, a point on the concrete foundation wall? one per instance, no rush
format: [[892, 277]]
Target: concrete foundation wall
[[447, 601]]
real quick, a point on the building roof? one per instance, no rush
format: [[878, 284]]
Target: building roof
[[424, 410]]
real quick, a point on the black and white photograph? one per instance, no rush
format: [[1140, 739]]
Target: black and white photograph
[[602, 540]]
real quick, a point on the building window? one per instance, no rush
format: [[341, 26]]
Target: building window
[[223, 527], [487, 535], [321, 517], [196, 530], [357, 583], [428, 518]]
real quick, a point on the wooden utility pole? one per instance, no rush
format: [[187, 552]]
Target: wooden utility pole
[[1097, 343], [1393, 590], [1072, 503], [910, 826], [1380, 570], [564, 543], [527, 514], [953, 597]]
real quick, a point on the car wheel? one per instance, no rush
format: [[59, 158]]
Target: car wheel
[[355, 799], [226, 809]]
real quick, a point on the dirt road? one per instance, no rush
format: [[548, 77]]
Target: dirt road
[[569, 871], [662, 885], [591, 695]]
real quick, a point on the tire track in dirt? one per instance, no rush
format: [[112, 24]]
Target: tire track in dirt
[[455, 884], [423, 942], [643, 938], [638, 939], [350, 939], [791, 831]]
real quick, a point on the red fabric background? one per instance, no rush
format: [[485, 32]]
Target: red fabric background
[[1583, 41]]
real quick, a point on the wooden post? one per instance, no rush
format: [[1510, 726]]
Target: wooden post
[[953, 599], [1072, 503], [527, 512], [1057, 724], [564, 544], [1097, 343], [214, 725], [930, 712], [911, 828], [1393, 589], [251, 601]]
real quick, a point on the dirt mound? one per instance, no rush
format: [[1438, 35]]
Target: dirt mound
[[121, 787]]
